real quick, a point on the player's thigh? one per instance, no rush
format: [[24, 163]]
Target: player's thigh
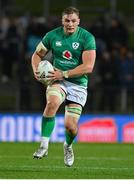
[[55, 94]]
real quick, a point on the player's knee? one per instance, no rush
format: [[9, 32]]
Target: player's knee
[[52, 107]]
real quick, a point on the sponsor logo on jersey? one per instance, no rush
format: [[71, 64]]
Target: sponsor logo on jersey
[[67, 62], [58, 43], [75, 45], [67, 55]]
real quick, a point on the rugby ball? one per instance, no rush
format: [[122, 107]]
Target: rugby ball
[[44, 68]]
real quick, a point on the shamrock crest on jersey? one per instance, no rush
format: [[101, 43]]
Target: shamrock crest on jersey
[[75, 45], [67, 55]]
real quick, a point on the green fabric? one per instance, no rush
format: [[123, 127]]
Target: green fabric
[[69, 138], [67, 50], [47, 126]]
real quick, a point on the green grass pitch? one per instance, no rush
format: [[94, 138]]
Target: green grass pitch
[[92, 161]]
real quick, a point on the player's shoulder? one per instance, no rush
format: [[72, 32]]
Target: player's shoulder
[[85, 32]]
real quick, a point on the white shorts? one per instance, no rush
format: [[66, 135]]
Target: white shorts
[[74, 92]]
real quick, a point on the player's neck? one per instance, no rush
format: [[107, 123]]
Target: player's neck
[[69, 34]]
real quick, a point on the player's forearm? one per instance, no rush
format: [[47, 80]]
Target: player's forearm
[[35, 61], [80, 70]]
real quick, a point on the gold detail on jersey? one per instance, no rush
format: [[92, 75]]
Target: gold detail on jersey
[[40, 47]]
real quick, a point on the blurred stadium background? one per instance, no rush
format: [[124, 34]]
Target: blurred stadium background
[[108, 115]]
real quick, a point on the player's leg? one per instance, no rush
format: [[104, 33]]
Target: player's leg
[[55, 97], [75, 100], [72, 115]]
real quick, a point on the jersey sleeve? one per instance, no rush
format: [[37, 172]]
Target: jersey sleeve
[[46, 41], [90, 43]]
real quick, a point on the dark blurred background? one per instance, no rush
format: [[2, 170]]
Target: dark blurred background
[[23, 23]]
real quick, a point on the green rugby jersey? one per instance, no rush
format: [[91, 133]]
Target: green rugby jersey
[[67, 50]]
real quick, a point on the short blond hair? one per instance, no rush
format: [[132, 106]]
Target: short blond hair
[[71, 10]]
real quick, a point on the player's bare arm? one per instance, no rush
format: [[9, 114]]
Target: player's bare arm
[[39, 53], [88, 58]]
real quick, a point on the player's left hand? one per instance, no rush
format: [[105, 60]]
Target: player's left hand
[[55, 75]]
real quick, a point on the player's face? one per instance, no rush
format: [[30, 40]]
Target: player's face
[[70, 23]]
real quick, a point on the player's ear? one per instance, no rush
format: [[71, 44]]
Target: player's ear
[[62, 20]]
